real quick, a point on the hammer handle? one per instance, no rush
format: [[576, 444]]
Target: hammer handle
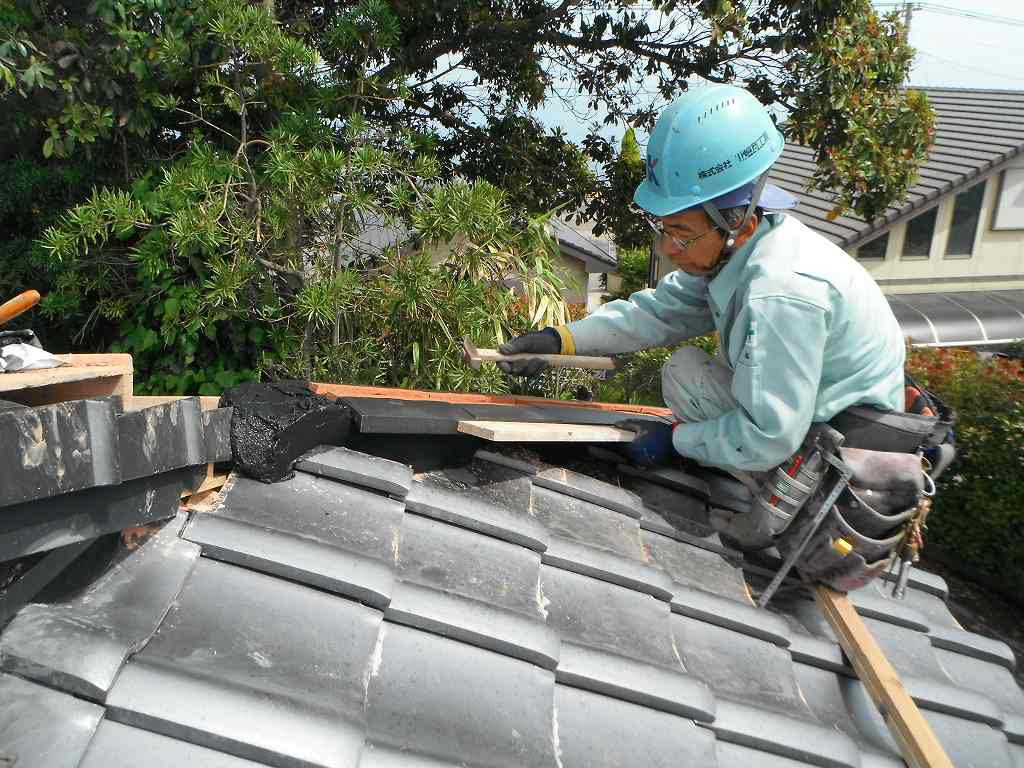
[[23, 302], [555, 361]]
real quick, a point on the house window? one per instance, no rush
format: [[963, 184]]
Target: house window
[[917, 243], [874, 249], [966, 212]]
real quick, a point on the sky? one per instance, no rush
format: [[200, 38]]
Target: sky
[[952, 51]]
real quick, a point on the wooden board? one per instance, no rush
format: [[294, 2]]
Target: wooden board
[[915, 738], [544, 432], [393, 393], [83, 376]]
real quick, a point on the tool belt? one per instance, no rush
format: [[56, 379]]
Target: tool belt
[[866, 466]]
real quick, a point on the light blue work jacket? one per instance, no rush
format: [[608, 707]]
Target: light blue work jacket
[[804, 327]]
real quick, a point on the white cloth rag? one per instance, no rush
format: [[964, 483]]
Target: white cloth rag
[[25, 357]]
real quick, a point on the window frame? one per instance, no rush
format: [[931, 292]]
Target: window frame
[[933, 211], [977, 224]]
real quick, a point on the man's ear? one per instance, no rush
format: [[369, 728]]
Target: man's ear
[[747, 230]]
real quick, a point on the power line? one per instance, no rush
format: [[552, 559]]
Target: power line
[[968, 66], [949, 10]]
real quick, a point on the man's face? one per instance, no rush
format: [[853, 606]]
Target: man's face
[[700, 255], [705, 241]]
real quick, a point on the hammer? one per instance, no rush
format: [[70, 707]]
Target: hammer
[[23, 302], [475, 356]]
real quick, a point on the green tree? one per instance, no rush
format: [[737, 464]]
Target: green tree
[[612, 208], [241, 252]]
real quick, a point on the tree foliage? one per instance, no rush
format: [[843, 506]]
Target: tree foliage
[[242, 250], [217, 160]]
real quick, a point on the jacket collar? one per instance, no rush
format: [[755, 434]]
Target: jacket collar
[[723, 285]]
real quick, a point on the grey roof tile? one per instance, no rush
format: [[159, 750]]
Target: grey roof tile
[[818, 652], [669, 477], [671, 513], [939, 696], [969, 743], [909, 652], [696, 567], [738, 666], [1017, 755], [736, 756], [784, 736], [45, 524], [293, 557], [732, 615], [473, 588], [462, 562], [596, 731], [475, 623], [434, 495], [588, 489], [161, 438], [622, 678], [57, 449], [43, 728], [439, 698], [871, 603], [120, 746], [990, 679], [329, 534], [357, 468], [931, 606], [377, 415], [81, 645], [217, 434], [594, 613], [509, 462], [607, 566], [971, 644], [836, 701], [587, 523], [280, 670]]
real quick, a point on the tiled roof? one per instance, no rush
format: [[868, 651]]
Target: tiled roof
[[501, 611], [576, 242], [975, 131]]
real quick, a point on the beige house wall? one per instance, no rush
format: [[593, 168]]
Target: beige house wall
[[997, 262], [574, 275]]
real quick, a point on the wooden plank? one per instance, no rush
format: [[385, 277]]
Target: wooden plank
[[84, 376], [138, 402], [544, 432], [915, 738], [212, 482], [394, 393]]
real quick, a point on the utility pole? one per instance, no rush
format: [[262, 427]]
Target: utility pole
[[908, 15]]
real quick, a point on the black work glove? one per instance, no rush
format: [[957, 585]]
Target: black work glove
[[545, 342]]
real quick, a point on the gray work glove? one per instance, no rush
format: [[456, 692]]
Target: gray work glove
[[545, 342]]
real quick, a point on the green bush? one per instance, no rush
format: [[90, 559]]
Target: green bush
[[975, 526]]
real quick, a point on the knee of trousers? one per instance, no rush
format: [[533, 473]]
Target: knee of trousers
[[681, 379]]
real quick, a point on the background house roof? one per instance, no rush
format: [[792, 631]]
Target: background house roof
[[975, 131], [598, 253]]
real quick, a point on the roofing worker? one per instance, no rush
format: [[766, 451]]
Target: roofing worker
[[804, 330]]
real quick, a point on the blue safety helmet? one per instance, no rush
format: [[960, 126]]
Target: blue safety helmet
[[712, 148]]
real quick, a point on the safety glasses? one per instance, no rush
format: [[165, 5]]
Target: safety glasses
[[664, 237]]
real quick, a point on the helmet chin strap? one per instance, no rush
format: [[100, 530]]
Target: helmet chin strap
[[730, 232]]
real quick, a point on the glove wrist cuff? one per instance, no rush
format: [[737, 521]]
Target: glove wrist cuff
[[568, 344]]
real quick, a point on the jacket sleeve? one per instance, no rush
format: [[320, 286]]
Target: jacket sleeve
[[674, 311], [775, 382]]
